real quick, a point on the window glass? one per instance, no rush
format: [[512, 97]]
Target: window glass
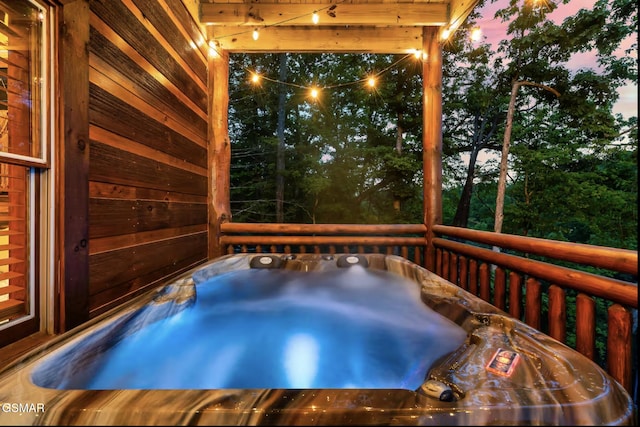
[[22, 26], [15, 292]]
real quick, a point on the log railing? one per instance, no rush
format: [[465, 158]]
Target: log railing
[[527, 288], [528, 277], [406, 240]]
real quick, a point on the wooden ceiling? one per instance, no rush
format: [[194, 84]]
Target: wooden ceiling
[[354, 26]]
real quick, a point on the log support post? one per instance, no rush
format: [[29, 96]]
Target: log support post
[[431, 138]]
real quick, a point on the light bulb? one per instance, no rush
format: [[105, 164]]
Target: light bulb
[[315, 18], [476, 33], [256, 34]]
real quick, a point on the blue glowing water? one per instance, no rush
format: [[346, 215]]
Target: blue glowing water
[[350, 328]]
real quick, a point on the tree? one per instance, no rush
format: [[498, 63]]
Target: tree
[[506, 143], [537, 54], [352, 155], [473, 112], [568, 190]]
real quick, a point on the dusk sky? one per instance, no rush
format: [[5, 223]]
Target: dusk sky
[[495, 31]]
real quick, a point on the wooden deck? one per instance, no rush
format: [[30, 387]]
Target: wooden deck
[[14, 351]]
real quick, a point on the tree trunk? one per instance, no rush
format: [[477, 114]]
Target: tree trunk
[[461, 218], [280, 166], [400, 130], [502, 180]]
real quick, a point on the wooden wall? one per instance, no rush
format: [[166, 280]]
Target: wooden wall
[[146, 160]]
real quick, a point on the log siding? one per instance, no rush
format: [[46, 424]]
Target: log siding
[[147, 166]]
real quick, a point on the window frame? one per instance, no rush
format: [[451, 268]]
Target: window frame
[[39, 210]]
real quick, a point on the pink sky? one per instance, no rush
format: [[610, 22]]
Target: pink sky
[[494, 31]]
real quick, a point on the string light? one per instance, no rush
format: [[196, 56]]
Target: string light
[[315, 18], [446, 31], [476, 34], [314, 91]]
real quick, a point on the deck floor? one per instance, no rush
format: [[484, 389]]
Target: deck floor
[[15, 350]]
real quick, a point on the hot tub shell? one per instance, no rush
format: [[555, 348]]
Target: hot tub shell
[[542, 381]]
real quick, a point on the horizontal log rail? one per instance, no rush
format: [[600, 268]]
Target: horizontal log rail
[[535, 291], [620, 260], [407, 240], [599, 286], [322, 240], [322, 229]]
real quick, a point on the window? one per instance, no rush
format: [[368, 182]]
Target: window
[[24, 162]]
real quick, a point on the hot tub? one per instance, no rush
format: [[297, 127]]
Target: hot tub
[[264, 339]]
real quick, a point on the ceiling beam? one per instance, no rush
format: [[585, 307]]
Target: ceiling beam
[[318, 39], [459, 11], [373, 14]]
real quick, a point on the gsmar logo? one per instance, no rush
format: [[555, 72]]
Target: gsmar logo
[[21, 407]]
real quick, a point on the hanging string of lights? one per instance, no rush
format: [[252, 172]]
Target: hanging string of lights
[[371, 79], [315, 19]]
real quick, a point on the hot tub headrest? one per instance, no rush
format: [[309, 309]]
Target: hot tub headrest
[[266, 261], [351, 260]]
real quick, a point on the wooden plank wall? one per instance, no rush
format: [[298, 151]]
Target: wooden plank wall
[[148, 147]]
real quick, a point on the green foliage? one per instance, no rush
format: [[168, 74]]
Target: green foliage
[[344, 160]]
